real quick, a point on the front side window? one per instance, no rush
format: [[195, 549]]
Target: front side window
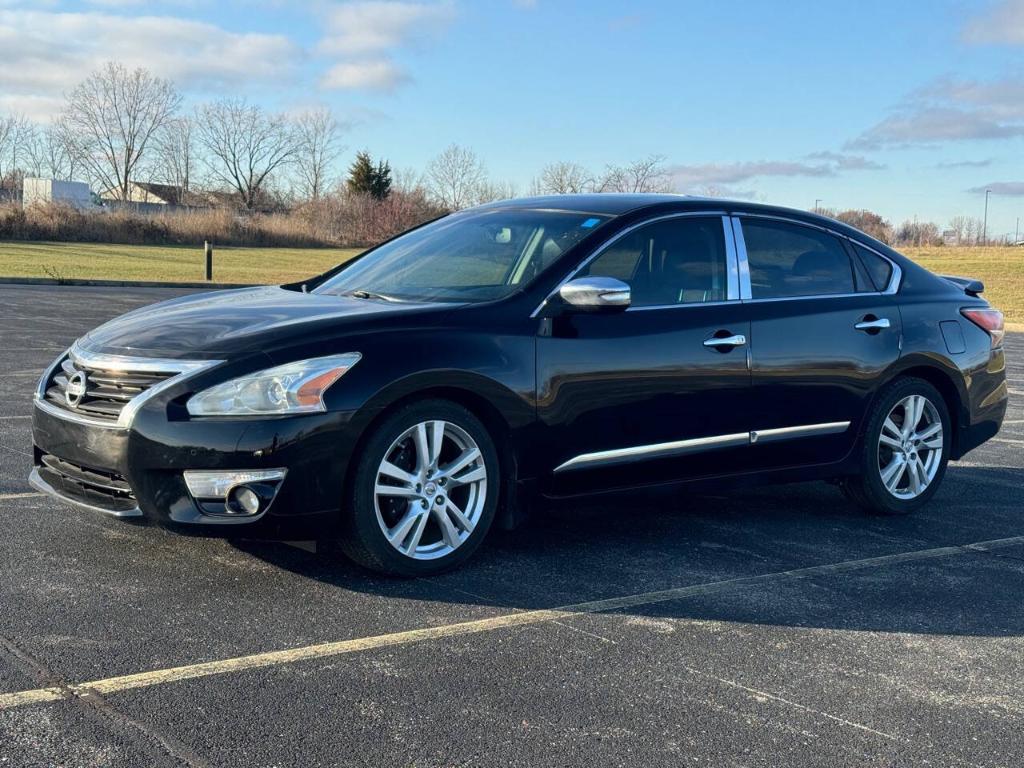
[[465, 257], [674, 261], [788, 260]]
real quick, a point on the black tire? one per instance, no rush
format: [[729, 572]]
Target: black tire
[[363, 539], [867, 489]]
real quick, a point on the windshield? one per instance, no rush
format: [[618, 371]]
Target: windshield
[[472, 256]]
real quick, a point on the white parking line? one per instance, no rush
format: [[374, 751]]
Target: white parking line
[[1007, 441], [523, 618], [6, 496]]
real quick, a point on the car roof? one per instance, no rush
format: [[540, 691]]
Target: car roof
[[616, 204]]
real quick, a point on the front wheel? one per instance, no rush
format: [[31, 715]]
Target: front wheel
[[905, 449], [424, 492]]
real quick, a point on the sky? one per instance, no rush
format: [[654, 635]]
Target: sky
[[909, 108]]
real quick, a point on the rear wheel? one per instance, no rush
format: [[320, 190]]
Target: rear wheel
[[424, 492], [905, 449]]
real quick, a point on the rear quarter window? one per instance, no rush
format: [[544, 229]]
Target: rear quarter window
[[878, 268]]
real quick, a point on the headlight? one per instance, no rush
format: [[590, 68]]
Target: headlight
[[292, 388]]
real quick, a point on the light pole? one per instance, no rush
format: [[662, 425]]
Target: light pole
[[1016, 232], [984, 228], [817, 204]]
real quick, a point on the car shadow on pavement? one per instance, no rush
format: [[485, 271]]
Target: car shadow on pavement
[[566, 556]]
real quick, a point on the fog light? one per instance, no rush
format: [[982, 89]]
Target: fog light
[[243, 501], [215, 484]]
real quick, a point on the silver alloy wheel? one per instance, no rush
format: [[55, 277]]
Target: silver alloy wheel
[[910, 447], [430, 490]]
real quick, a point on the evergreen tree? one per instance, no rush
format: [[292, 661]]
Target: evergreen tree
[[361, 174], [380, 187], [365, 178]]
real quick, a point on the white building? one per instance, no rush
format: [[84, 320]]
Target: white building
[[73, 193]]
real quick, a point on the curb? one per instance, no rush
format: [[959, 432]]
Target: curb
[[119, 283]]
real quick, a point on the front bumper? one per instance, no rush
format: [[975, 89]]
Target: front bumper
[[137, 472]]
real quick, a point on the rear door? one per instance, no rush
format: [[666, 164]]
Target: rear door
[[822, 336], [659, 391]]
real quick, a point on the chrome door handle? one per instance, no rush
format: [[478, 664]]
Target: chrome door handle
[[873, 325], [737, 340]]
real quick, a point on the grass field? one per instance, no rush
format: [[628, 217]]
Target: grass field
[[165, 263], [1001, 269]]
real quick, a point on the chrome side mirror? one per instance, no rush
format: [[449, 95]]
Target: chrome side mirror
[[596, 294]]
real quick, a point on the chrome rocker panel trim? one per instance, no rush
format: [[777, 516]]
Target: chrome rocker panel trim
[[182, 369], [699, 444], [42, 486]]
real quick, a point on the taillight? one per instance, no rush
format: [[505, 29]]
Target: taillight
[[989, 320]]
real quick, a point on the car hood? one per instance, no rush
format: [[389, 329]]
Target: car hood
[[242, 320]]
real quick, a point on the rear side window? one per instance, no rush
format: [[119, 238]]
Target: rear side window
[[878, 268], [790, 260], [674, 261]]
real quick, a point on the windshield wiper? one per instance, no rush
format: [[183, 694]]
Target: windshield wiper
[[362, 294]]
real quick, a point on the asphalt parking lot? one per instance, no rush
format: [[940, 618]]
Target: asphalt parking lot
[[762, 628]]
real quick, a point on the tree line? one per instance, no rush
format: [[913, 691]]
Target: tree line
[[119, 127]]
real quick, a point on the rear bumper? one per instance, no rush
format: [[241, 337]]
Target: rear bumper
[[137, 473], [988, 397]]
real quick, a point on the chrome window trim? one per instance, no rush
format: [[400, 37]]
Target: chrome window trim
[[182, 369], [37, 482], [731, 294], [746, 292], [699, 445]]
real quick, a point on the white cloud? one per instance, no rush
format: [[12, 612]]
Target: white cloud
[[360, 28], [1008, 188], [363, 37], [717, 175], [950, 110], [372, 74], [46, 53], [1003, 23]]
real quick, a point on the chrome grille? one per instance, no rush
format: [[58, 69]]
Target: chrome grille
[[105, 392]]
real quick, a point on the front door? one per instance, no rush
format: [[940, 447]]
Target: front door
[[657, 392], [822, 335]]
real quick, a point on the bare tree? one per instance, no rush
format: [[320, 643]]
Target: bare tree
[[646, 175], [318, 147], [245, 145], [408, 181], [112, 117], [49, 154], [176, 154], [563, 178], [15, 135], [455, 176], [966, 229], [488, 191], [917, 233]]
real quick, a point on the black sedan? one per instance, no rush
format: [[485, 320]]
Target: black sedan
[[543, 348]]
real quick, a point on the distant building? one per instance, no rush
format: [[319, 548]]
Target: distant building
[[150, 193], [950, 237], [73, 193]]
